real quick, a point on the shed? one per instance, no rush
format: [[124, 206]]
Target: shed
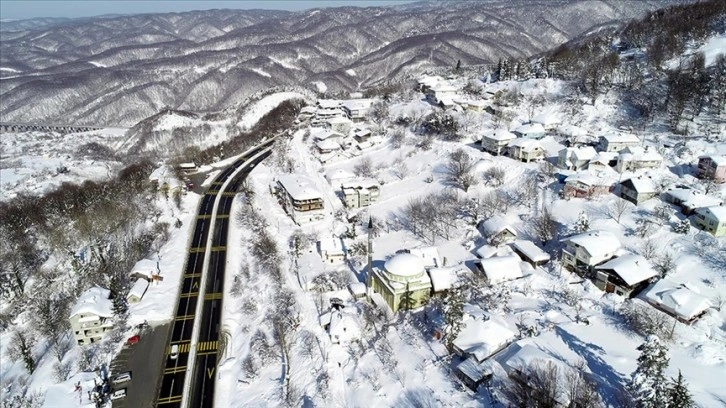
[[530, 252], [137, 291], [500, 269], [677, 300]]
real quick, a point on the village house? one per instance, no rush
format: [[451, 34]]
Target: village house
[[444, 278], [585, 185], [529, 252], [328, 103], [472, 105], [440, 91], [677, 300], [711, 219], [187, 168], [339, 125], [327, 146], [426, 82], [617, 142], [584, 251], [307, 112], [530, 131], [688, 199], [360, 193], [638, 189], [634, 158], [403, 283], [497, 230], [137, 291], [498, 269], [342, 326], [603, 161], [337, 177], [548, 121], [625, 275], [496, 141], [91, 316], [488, 251], [525, 150], [575, 158], [302, 202], [362, 135], [331, 250], [712, 168], [357, 109]]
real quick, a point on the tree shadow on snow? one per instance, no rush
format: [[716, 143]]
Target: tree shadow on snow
[[610, 382]]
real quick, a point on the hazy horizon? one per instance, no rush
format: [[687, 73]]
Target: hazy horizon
[[23, 9]]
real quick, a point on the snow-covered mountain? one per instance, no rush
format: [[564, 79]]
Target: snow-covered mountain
[[118, 70]]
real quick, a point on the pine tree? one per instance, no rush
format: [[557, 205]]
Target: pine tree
[[679, 396], [119, 304], [582, 224], [682, 226], [453, 315], [648, 383], [458, 65]]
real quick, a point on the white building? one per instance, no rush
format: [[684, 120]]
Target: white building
[[616, 143], [342, 326], [677, 300], [361, 192], [526, 150], [336, 178], [497, 230], [575, 158], [137, 291], [331, 250], [357, 109], [300, 199], [635, 157], [482, 335], [583, 252], [340, 125], [496, 141], [530, 131], [91, 316], [498, 269], [711, 219]]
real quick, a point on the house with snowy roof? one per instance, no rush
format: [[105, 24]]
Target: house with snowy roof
[[331, 250], [575, 158], [91, 316], [688, 199], [427, 81], [638, 189], [625, 275], [603, 161], [547, 120], [497, 230], [525, 150], [357, 109], [340, 125], [529, 252], [362, 135], [586, 185], [711, 219], [441, 91], [403, 282], [359, 193], [137, 291], [498, 269], [337, 177], [582, 252], [712, 168], [327, 146], [530, 131], [496, 141], [444, 278], [342, 326], [617, 142], [677, 299], [635, 157], [300, 199], [488, 251]]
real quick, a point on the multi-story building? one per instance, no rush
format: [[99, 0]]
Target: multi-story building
[[712, 168], [711, 219], [583, 252], [360, 193], [616, 143], [496, 141], [302, 202], [91, 316]]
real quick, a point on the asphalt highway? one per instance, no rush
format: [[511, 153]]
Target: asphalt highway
[[203, 372]]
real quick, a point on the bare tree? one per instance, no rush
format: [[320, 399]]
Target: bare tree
[[544, 226], [535, 385], [580, 389], [494, 176], [364, 168], [459, 169], [618, 208]]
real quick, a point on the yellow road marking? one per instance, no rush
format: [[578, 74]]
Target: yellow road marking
[[183, 347], [212, 191], [204, 249], [229, 194], [207, 345], [187, 317], [170, 400], [207, 353], [174, 370], [193, 275], [213, 296], [189, 295], [209, 216]]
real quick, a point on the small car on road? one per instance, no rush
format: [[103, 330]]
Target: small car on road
[[174, 352], [121, 377], [133, 339], [118, 394]]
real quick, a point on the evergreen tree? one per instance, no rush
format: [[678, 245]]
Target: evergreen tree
[[582, 224], [452, 316], [682, 227], [679, 396], [119, 304], [648, 383], [458, 65]]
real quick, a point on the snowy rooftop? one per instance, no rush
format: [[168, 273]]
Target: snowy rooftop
[[604, 157], [572, 131], [339, 174], [637, 153], [328, 103], [299, 187], [475, 370], [632, 268], [94, 301], [161, 172], [531, 251], [331, 245], [530, 128], [719, 160], [429, 255], [363, 182], [482, 338], [546, 119], [139, 288], [327, 145], [643, 184], [327, 135], [443, 86], [357, 104], [717, 212], [677, 299], [499, 134], [587, 179], [527, 145], [337, 120], [495, 225], [692, 198], [596, 242], [621, 138], [488, 251], [444, 278], [580, 153], [502, 268], [404, 264]]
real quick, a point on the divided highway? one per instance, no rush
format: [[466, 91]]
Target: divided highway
[[203, 368]]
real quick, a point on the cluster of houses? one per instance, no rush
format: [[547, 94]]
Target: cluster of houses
[[338, 128]]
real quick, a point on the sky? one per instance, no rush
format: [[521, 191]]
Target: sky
[[22, 9]]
